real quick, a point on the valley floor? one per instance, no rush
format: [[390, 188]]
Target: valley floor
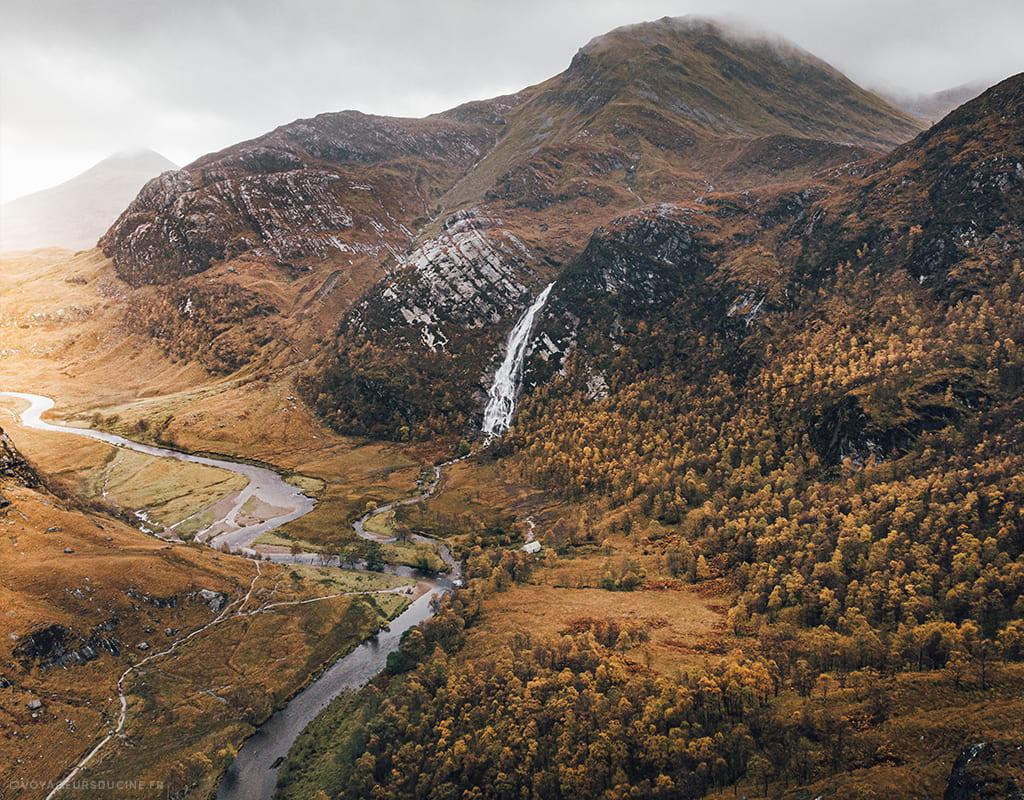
[[71, 558], [82, 583]]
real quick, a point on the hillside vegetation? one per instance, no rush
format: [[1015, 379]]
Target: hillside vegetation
[[808, 401]]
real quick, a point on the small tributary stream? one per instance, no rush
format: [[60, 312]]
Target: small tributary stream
[[253, 774]]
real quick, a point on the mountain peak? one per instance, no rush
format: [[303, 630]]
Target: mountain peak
[[692, 26], [136, 155], [733, 80], [75, 213]]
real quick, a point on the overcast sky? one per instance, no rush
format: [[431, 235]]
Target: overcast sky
[[81, 79]]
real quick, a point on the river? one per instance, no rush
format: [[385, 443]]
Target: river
[[264, 484], [253, 774]]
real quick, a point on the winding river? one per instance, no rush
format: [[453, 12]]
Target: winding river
[[264, 484], [253, 774]]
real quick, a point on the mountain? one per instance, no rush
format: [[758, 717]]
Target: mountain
[[689, 96], [662, 111], [458, 216], [76, 213], [767, 449], [677, 91], [292, 227], [808, 399], [322, 189], [931, 107], [737, 284]]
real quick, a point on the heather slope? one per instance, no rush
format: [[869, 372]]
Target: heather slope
[[806, 403]]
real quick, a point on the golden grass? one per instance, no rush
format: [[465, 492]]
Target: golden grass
[[168, 490], [200, 696], [684, 627], [334, 580], [41, 585]]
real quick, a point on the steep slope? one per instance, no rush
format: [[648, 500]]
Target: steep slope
[[77, 212], [322, 188], [258, 250], [663, 111], [811, 431], [943, 210], [942, 204], [14, 467], [681, 99], [458, 217], [837, 373]]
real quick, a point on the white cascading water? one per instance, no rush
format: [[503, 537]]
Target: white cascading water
[[501, 402]]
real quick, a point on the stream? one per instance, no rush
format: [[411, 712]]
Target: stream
[[501, 401], [264, 485], [253, 774]]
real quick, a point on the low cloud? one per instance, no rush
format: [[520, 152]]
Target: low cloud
[[80, 79]]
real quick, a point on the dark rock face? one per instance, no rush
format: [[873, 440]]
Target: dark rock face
[[156, 602], [13, 464], [421, 338], [954, 191], [293, 194], [215, 600], [987, 771], [57, 646], [639, 267], [642, 259]]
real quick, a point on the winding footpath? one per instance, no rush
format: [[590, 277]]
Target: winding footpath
[[253, 774]]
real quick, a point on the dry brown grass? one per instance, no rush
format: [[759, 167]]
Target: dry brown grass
[[82, 357], [41, 585], [255, 662], [684, 627]]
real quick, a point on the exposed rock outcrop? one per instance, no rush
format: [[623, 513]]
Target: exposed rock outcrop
[[327, 186], [57, 646], [987, 771], [13, 466], [649, 111]]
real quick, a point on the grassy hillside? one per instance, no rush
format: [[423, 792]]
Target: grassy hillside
[[803, 405]]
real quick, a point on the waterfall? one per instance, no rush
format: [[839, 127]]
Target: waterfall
[[501, 402]]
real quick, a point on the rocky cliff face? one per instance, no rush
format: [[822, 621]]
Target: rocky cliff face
[[954, 191], [636, 268], [329, 186], [649, 112], [441, 230], [13, 464], [928, 241], [467, 276], [14, 467]]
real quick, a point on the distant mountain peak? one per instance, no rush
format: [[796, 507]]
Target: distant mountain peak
[[931, 107], [138, 155], [75, 213]]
